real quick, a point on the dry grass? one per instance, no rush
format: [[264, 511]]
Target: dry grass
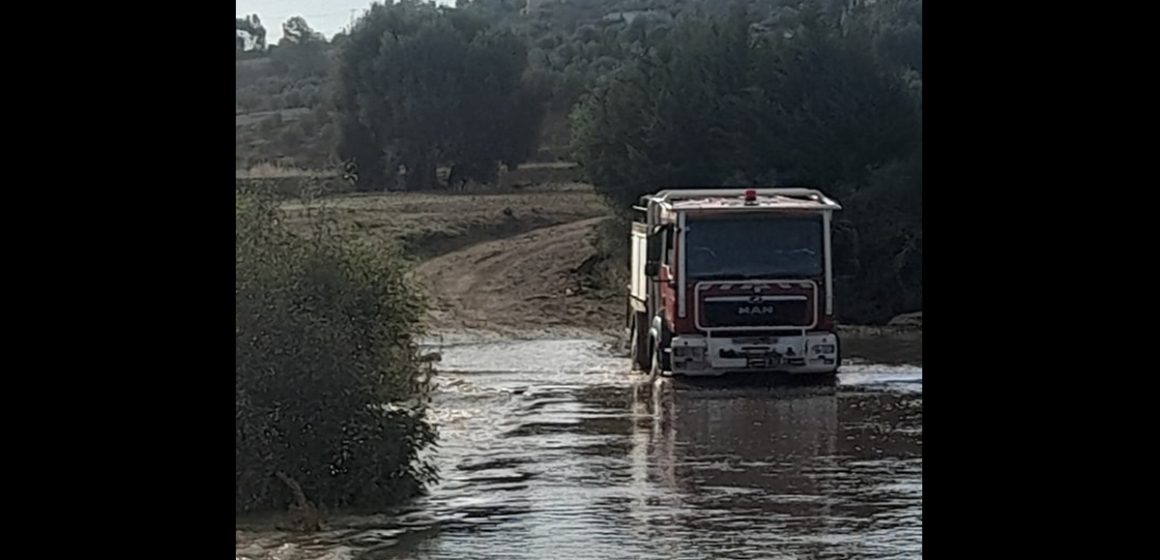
[[531, 172], [432, 223], [549, 165], [273, 171], [242, 118]]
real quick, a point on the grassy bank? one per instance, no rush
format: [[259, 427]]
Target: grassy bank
[[433, 223]]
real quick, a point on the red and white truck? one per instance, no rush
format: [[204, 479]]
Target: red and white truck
[[733, 280]]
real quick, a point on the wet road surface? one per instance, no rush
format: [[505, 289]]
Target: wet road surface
[[551, 449]]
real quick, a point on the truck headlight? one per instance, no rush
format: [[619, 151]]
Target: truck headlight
[[695, 353], [823, 349]]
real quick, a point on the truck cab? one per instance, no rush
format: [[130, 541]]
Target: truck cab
[[733, 280]]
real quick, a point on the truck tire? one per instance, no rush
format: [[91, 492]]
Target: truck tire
[[661, 360], [640, 347], [837, 357]]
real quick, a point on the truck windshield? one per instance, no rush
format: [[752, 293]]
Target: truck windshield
[[754, 246]]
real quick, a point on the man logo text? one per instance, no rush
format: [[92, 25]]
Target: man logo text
[[756, 310]]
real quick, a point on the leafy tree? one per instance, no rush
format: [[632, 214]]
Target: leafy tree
[[251, 26], [296, 31], [830, 112], [430, 87], [671, 118], [301, 54]]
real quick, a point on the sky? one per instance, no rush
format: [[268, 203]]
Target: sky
[[325, 16]]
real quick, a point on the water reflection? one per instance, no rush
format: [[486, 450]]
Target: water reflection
[[762, 470]]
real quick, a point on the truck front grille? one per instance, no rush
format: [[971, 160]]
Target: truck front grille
[[760, 313], [757, 305]]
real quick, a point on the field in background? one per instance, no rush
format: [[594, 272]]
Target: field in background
[[288, 181], [432, 223], [271, 171]]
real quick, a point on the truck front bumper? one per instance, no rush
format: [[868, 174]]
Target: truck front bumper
[[696, 355]]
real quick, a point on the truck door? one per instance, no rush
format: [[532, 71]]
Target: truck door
[[667, 286]]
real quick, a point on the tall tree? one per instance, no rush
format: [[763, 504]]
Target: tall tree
[[302, 52], [431, 87], [252, 27], [296, 30]]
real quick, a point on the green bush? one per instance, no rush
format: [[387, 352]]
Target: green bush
[[330, 389]]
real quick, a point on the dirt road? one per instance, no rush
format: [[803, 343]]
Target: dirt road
[[525, 282]]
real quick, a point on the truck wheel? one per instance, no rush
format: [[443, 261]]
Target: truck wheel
[[837, 357], [640, 349], [661, 360]]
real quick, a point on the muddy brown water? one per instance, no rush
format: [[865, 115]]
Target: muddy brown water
[[550, 448]]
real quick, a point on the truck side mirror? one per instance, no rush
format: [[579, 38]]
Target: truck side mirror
[[652, 263]]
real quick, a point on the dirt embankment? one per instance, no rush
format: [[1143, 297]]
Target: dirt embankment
[[502, 260], [434, 223], [525, 282]]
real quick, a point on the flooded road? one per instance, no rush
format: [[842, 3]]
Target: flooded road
[[551, 449]]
